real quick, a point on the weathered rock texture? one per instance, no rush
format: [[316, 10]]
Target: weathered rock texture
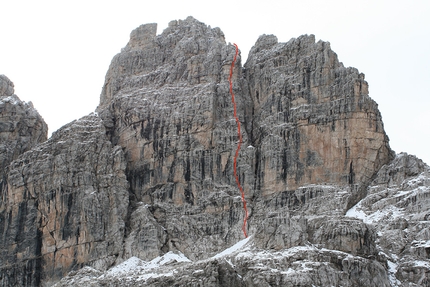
[[397, 205], [166, 102], [21, 126], [64, 206], [152, 173], [312, 119]]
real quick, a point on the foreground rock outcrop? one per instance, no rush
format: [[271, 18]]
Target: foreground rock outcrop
[[142, 192]]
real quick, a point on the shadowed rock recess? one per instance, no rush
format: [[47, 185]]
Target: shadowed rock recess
[[142, 192]]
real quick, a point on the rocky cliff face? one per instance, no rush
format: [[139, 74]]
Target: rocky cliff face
[[21, 126], [65, 205], [316, 112], [146, 184], [21, 129], [166, 102]]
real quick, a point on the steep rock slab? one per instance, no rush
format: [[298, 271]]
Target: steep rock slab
[[6, 86], [166, 101], [65, 206], [21, 127]]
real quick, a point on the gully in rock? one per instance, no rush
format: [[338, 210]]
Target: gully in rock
[[238, 143]]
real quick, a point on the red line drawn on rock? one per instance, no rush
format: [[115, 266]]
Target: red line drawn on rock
[[239, 143]]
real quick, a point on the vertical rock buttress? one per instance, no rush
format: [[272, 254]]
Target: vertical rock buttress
[[166, 101], [313, 121]]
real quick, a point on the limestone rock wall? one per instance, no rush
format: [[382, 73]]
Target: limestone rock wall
[[306, 120], [397, 205], [64, 206], [313, 121], [381, 241], [21, 126], [166, 102], [151, 174]]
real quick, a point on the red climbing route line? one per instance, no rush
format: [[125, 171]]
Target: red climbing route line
[[239, 143]]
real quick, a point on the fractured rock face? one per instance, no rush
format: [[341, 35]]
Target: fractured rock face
[[21, 126], [6, 86], [307, 120], [313, 121], [65, 205], [166, 102], [152, 175], [397, 205]]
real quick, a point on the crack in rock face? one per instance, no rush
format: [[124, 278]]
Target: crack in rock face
[[148, 179]]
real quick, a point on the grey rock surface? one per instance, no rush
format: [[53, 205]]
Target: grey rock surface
[[245, 266], [21, 126], [142, 193], [312, 120], [166, 102], [398, 206], [64, 206], [21, 129]]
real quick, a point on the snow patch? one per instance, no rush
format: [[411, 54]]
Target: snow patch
[[357, 212], [420, 263], [392, 269], [168, 258], [126, 266], [135, 265], [238, 246], [418, 244], [11, 100]]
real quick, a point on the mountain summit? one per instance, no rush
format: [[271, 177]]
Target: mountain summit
[[143, 192]]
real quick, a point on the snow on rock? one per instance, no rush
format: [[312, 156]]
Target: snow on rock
[[126, 266], [240, 264], [134, 264], [421, 263], [238, 246], [392, 269], [357, 211], [397, 205]]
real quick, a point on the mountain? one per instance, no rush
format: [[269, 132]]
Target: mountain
[[143, 191]]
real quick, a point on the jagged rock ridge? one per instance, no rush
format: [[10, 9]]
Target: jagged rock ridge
[[151, 174]]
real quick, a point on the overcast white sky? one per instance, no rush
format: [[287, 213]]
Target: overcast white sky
[[57, 52]]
